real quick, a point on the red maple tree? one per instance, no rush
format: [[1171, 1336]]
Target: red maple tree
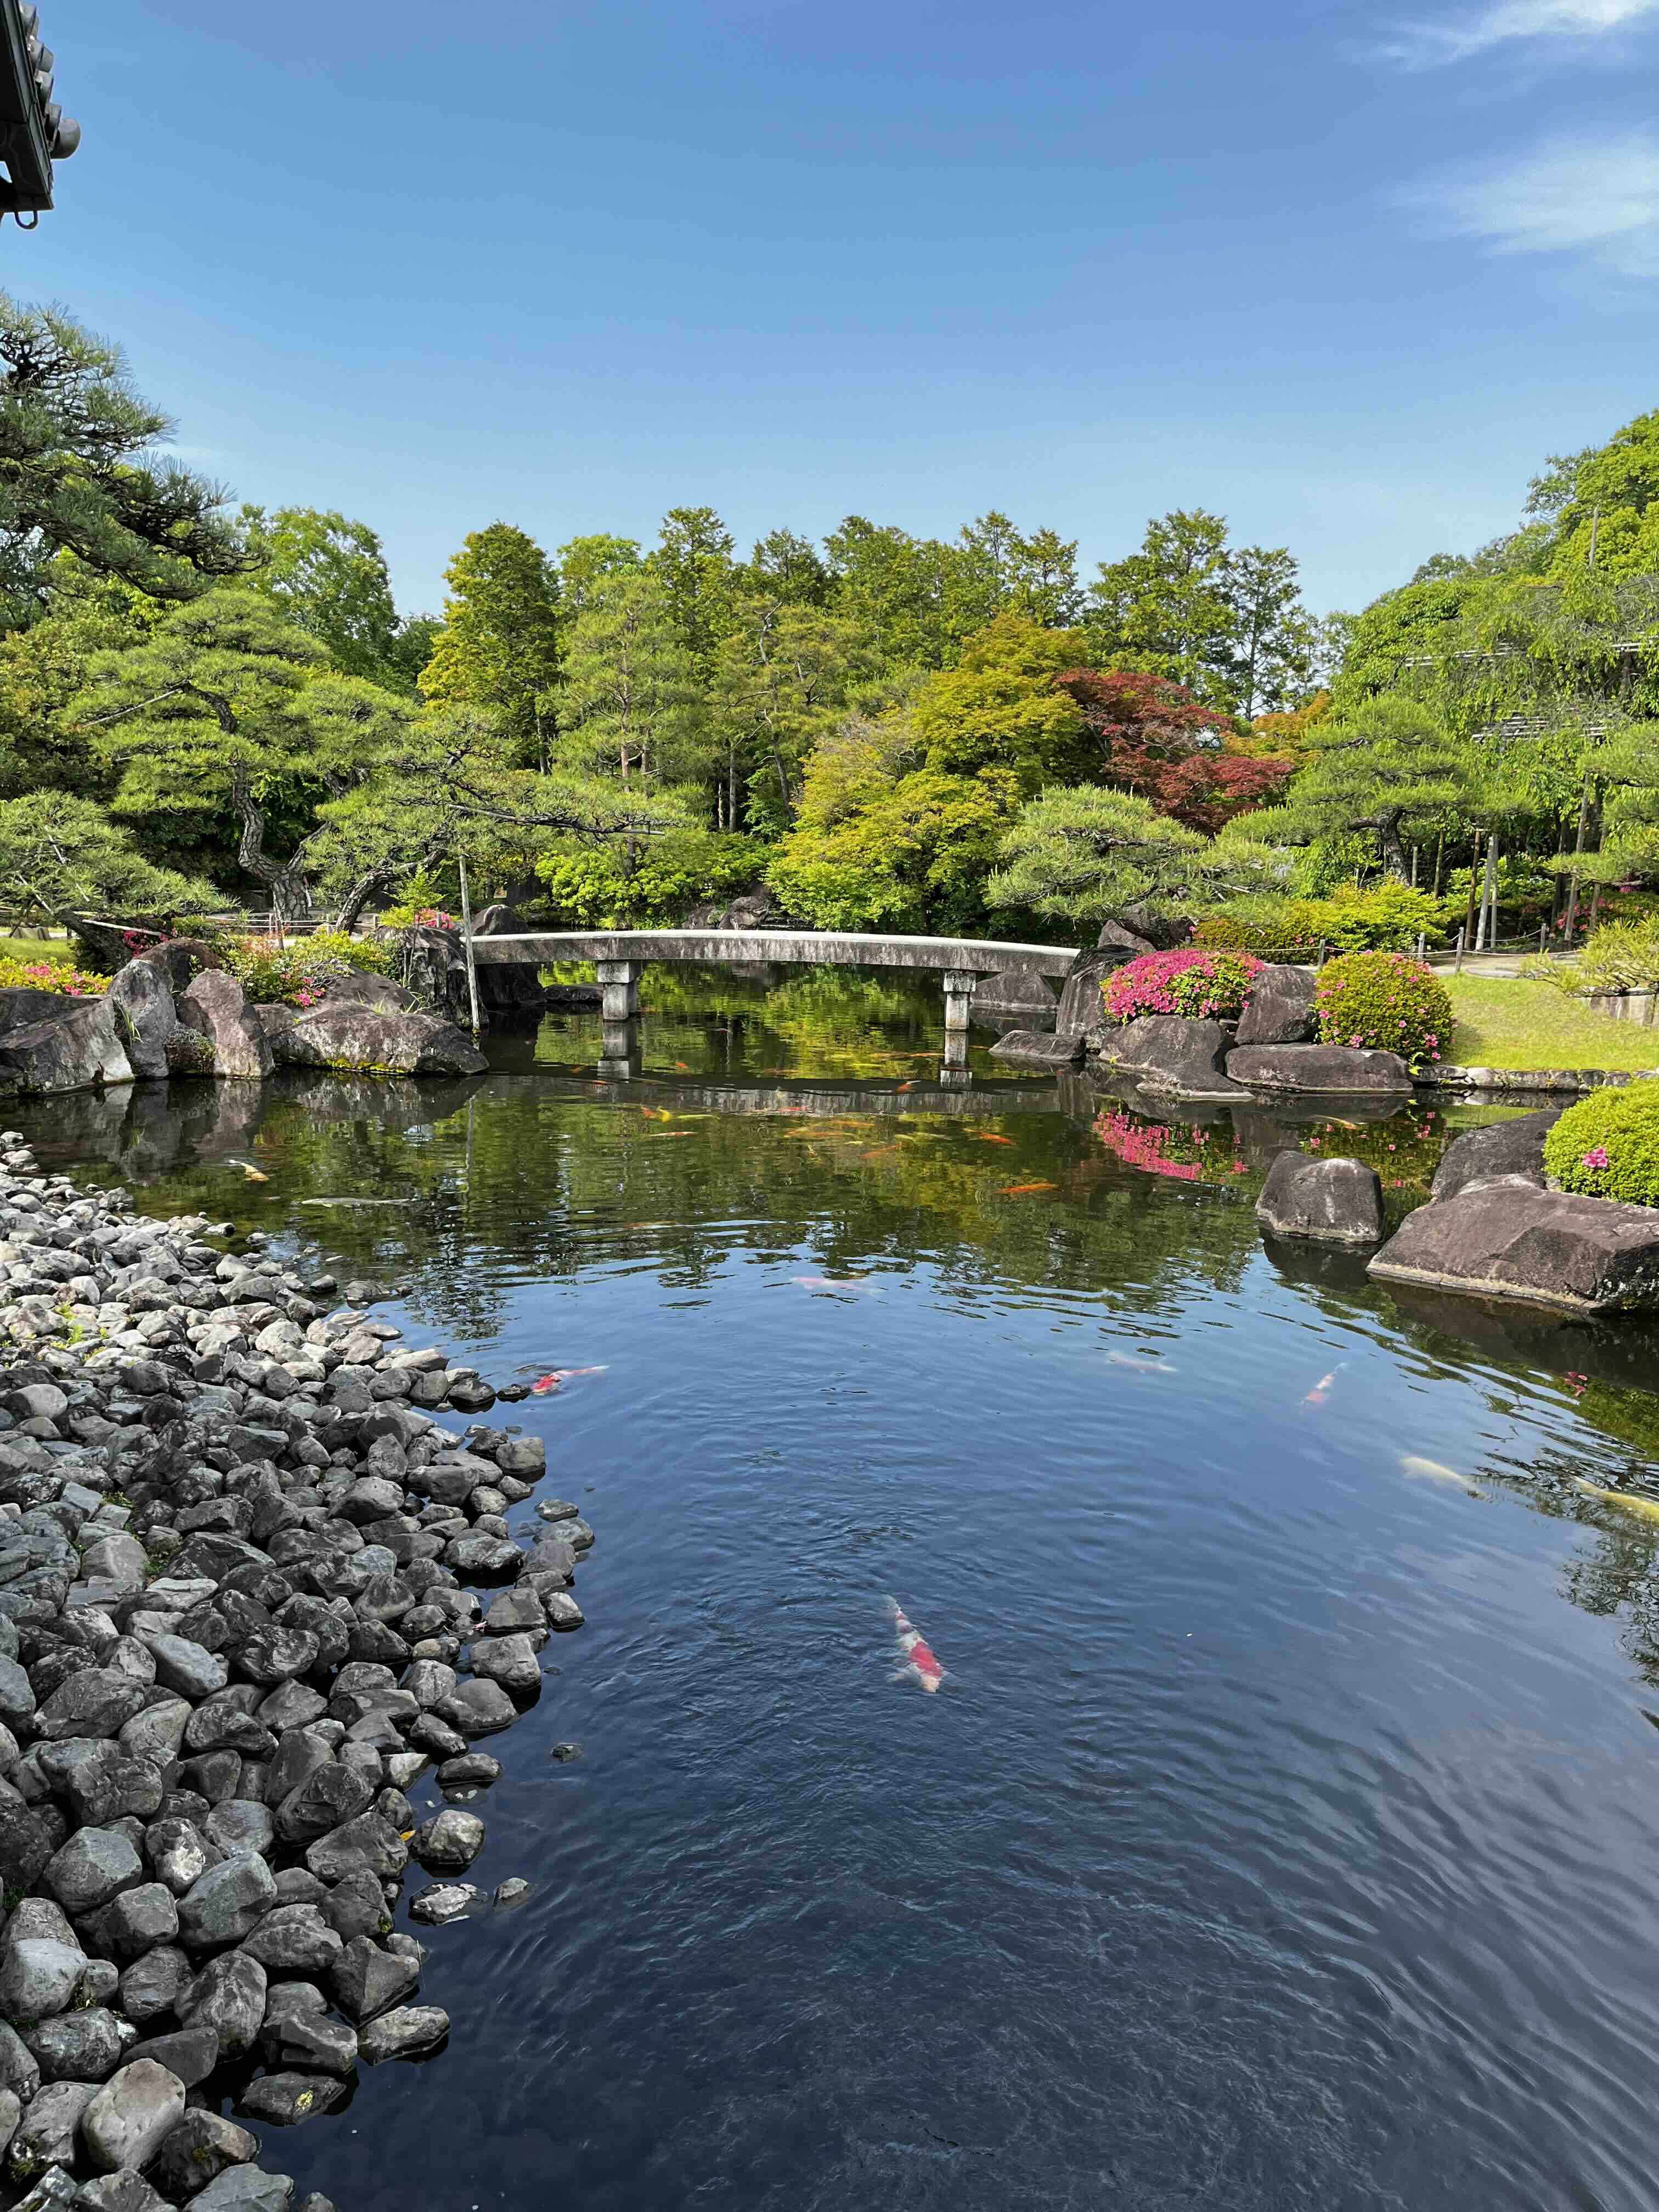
[[1157, 739]]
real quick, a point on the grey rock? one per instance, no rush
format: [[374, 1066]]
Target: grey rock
[[449, 1842], [179, 1853], [329, 1796], [16, 1698], [83, 2045], [1326, 1069], [19, 2070], [1513, 1149], [117, 1558], [198, 2148], [191, 2053], [1080, 1009], [215, 1007], [1017, 992], [477, 1709], [310, 2041], [91, 1867], [1281, 1007], [294, 1939], [357, 1036], [1331, 1201], [95, 1702], [284, 2099], [1031, 1048], [75, 1048], [509, 1660], [156, 1733], [140, 995], [47, 2131], [240, 1824], [1505, 1240], [405, 2032], [126, 2123], [53, 2192], [247, 2188], [366, 1980], [445, 1901], [150, 1986], [37, 1978], [187, 1667], [471, 1769], [1189, 1059], [223, 1905], [11, 2110], [228, 1995], [122, 2191], [368, 1841], [137, 1921]]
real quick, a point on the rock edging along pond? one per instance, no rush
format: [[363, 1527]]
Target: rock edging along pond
[[237, 1619], [172, 1011]]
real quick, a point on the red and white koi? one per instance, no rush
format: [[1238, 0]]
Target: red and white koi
[[556, 1380], [1322, 1388], [920, 1662]]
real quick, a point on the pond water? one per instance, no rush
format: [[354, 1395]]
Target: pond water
[[1283, 1832]]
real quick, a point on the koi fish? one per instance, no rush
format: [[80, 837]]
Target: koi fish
[[1631, 1500], [254, 1175], [681, 1068], [981, 1138], [920, 1662], [829, 1282], [1431, 1470], [666, 1136], [910, 1086], [1140, 1364], [1321, 1389], [1025, 1189], [656, 1112], [559, 1376]]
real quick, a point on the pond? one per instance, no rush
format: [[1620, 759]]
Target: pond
[[1283, 1832]]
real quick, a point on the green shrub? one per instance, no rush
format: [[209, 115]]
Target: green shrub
[[1621, 956], [1388, 917], [366, 954], [1607, 1145], [1201, 986], [1384, 1001], [50, 976], [298, 975]]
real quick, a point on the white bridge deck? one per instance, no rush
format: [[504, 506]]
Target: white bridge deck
[[815, 947]]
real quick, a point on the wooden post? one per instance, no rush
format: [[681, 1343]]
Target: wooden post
[[471, 957], [1487, 935], [1457, 964], [1414, 851], [1320, 963], [1439, 854], [1474, 877]]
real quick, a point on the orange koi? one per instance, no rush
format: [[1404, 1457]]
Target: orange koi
[[981, 1138], [1025, 1189], [558, 1377]]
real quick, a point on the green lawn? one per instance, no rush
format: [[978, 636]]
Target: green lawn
[[1515, 1024]]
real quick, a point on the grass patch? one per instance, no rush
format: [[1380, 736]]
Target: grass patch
[[1498, 1023], [60, 948]]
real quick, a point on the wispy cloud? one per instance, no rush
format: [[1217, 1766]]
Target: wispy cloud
[[1565, 197], [1425, 45]]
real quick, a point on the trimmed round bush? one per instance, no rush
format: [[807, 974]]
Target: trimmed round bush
[[1212, 986], [1607, 1145], [1385, 1001]]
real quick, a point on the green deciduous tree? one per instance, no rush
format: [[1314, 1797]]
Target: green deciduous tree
[[781, 676], [79, 473], [1000, 707], [328, 576], [499, 643]]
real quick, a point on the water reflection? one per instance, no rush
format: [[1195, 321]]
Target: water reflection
[[1255, 1848]]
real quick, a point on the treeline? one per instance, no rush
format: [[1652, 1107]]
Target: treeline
[[201, 704]]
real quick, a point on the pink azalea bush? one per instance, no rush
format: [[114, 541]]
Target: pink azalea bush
[[1607, 1145], [1201, 986], [1384, 1002], [50, 976]]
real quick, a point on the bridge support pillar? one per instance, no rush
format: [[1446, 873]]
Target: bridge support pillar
[[958, 997], [619, 983], [619, 1051]]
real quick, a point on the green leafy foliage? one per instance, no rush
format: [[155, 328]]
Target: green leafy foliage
[[1386, 1002], [1386, 916], [60, 855], [498, 646], [1607, 1145], [1086, 854], [298, 973], [592, 887], [50, 976]]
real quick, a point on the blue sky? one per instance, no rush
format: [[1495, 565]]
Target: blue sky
[[1344, 274]]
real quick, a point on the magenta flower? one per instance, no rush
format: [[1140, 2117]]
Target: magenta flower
[[1596, 1158]]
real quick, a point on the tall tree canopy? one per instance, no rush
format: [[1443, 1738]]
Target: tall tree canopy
[[499, 645], [328, 576], [80, 473]]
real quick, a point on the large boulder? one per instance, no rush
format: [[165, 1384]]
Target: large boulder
[[373, 1039], [1080, 995], [1328, 1069], [142, 995], [1171, 1054], [1336, 1201], [1512, 1149], [1019, 995], [216, 1008], [20, 1005], [75, 1046], [1281, 1007], [1506, 1240], [1028, 1048], [506, 986]]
